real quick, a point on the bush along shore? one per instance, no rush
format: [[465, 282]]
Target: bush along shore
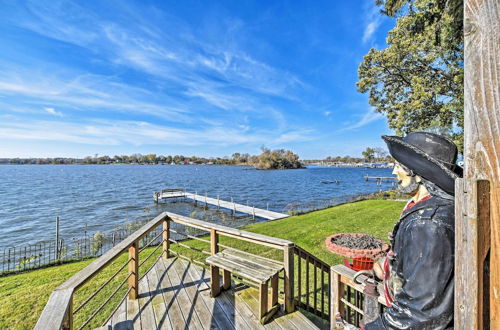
[[26, 294]]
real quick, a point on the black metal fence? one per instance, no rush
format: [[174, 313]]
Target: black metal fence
[[32, 256]]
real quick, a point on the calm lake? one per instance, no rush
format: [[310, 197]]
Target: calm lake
[[104, 197]]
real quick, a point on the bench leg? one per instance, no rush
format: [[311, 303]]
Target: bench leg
[[226, 279], [274, 290], [263, 301], [214, 281]]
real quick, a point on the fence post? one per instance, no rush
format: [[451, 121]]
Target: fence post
[[166, 238], [133, 270], [289, 277], [57, 240]]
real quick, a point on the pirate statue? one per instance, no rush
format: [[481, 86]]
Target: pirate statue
[[418, 270]]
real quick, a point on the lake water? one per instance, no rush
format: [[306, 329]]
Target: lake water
[[103, 198]]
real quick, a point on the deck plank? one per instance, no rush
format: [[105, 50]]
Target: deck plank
[[119, 318], [190, 315], [133, 313], [169, 293], [176, 290], [230, 317], [159, 308], [190, 286], [242, 309], [148, 320]]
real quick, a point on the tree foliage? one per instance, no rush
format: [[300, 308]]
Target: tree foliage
[[278, 159], [368, 154], [417, 81]]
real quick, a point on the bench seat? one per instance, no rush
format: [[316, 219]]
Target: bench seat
[[251, 267]]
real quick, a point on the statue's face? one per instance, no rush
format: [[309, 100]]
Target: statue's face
[[404, 178]]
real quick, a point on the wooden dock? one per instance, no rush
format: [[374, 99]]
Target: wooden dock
[[175, 294], [235, 207], [380, 178]]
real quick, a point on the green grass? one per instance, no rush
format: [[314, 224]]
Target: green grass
[[23, 296]]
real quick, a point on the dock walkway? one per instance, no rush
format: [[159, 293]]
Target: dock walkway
[[256, 212], [175, 294]]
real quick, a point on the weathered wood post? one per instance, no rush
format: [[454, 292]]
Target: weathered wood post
[[68, 316], [288, 264], [337, 293], [166, 238], [133, 270], [477, 235], [214, 270]]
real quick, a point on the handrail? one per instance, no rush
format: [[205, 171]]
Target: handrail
[[59, 305], [232, 232]]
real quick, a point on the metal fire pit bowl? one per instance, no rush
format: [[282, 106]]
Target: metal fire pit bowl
[[356, 253]]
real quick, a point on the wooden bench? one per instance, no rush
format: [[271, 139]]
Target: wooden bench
[[251, 267]]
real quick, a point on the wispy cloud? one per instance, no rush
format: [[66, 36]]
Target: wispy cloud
[[365, 119], [53, 111], [373, 19], [102, 132]]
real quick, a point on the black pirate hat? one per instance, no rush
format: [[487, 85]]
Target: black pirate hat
[[428, 155]]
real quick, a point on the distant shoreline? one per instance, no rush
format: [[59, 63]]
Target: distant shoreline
[[355, 165]]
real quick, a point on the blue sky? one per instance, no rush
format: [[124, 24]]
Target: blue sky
[[206, 78]]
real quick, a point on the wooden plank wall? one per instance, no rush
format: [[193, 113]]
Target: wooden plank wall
[[477, 272]]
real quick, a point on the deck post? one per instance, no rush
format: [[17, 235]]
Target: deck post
[[335, 298], [133, 270], [477, 232], [214, 270], [68, 316], [289, 278], [166, 238]]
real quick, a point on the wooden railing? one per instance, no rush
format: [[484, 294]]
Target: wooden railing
[[347, 295], [59, 311], [313, 284]]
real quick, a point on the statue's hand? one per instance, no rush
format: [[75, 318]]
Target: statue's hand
[[378, 268]]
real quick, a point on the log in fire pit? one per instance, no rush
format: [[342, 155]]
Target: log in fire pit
[[361, 248]]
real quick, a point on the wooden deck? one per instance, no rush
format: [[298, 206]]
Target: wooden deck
[[175, 294]]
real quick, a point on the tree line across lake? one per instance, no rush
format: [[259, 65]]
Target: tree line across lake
[[267, 159]]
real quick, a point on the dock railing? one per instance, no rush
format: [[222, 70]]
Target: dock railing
[[59, 311]]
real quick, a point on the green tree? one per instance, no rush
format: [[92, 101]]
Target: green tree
[[276, 159], [417, 81], [369, 154]]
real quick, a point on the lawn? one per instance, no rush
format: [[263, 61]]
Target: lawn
[[23, 296]]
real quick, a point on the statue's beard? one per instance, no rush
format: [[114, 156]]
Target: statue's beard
[[410, 189]]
